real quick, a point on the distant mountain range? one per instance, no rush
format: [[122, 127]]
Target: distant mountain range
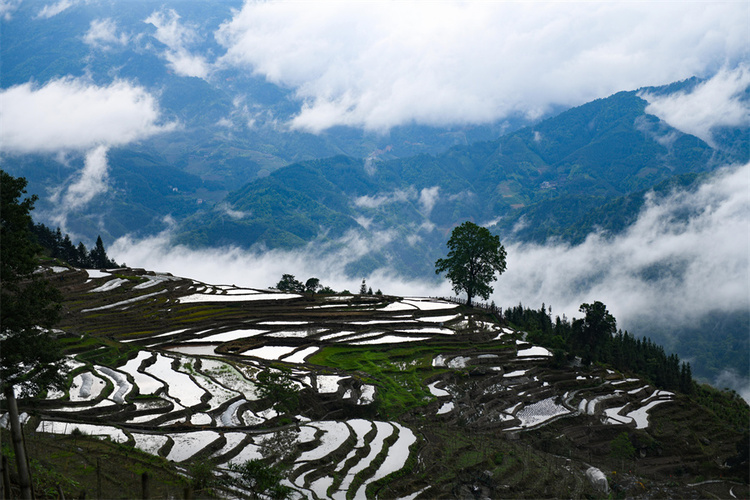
[[585, 169]]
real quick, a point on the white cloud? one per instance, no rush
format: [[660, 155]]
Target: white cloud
[[731, 380], [7, 7], [53, 9], [177, 37], [427, 199], [226, 209], [102, 34], [264, 268], [381, 64], [92, 180], [74, 114], [714, 103], [685, 256], [363, 221], [397, 196]]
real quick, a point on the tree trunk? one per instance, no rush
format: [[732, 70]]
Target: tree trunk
[[6, 478], [24, 478]]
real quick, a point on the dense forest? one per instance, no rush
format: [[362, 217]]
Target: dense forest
[[61, 247], [595, 339]]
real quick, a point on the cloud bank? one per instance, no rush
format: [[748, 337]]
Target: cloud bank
[[381, 64], [686, 255], [75, 114], [717, 102]]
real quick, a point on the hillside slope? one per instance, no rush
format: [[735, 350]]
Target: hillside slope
[[394, 396]]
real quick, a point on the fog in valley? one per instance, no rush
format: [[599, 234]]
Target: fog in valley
[[685, 256]]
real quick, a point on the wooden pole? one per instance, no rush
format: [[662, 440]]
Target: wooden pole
[[145, 493]]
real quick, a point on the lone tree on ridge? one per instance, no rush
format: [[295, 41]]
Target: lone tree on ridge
[[475, 256]]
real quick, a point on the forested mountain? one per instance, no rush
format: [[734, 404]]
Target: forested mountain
[[588, 168]]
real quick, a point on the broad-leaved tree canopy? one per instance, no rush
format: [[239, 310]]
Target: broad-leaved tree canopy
[[474, 259]]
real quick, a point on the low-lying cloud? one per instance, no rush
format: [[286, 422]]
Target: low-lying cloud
[[687, 255], [397, 196], [91, 181], [261, 269], [377, 65], [718, 102]]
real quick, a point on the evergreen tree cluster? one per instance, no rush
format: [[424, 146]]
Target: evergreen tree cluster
[[365, 290], [595, 339], [61, 247], [288, 283]]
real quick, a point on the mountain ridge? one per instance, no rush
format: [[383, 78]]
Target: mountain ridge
[[599, 151]]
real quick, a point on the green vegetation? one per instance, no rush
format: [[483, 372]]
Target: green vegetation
[[277, 386], [260, 480], [622, 449], [594, 338], [31, 358], [72, 465], [398, 372]]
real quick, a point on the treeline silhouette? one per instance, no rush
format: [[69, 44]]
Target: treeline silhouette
[[61, 247], [594, 338]]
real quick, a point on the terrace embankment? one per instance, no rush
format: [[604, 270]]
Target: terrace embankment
[[364, 396]]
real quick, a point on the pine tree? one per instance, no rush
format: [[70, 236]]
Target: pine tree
[[98, 255], [82, 256]]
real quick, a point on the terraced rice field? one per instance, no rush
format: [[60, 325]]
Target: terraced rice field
[[172, 367]]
